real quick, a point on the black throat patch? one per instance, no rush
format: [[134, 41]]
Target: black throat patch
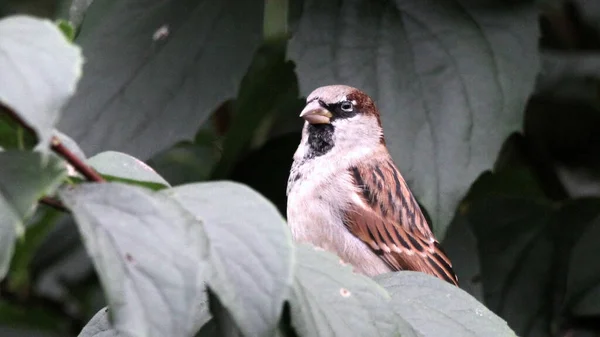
[[320, 140]]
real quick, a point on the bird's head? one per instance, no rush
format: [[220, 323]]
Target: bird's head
[[348, 112]]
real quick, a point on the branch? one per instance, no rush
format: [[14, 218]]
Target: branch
[[79, 165], [54, 204], [61, 150]]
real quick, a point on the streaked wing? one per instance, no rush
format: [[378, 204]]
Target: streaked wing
[[385, 215]]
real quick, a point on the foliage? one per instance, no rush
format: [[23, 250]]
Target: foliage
[[173, 225]]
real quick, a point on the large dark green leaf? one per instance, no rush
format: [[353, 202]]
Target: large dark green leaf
[[269, 89], [251, 251], [515, 244], [436, 308], [36, 231], [278, 152], [328, 299], [451, 78], [583, 283], [155, 70], [24, 178], [28, 320], [150, 255], [525, 246], [460, 245], [39, 69]]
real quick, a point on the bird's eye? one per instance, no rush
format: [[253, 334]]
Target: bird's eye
[[346, 106]]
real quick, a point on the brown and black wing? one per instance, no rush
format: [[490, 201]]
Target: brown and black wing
[[385, 215]]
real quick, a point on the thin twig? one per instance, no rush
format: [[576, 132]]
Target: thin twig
[[61, 150], [80, 166], [54, 204]]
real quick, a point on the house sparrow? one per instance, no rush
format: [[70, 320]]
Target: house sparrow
[[346, 195]]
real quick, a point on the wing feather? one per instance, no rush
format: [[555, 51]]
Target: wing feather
[[385, 215]]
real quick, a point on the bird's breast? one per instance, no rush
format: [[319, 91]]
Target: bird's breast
[[317, 200]]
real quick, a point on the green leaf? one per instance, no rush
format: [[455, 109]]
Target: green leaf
[[99, 326], [516, 246], [149, 253], [225, 325], [271, 182], [583, 284], [13, 135], [524, 244], [439, 71], [251, 251], [275, 20], [76, 11], [328, 299], [460, 245], [267, 89], [208, 330], [66, 28], [150, 80], [39, 70], [37, 230], [436, 308], [125, 168], [24, 178], [33, 318], [185, 162]]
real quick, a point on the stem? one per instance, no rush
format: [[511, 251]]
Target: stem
[[79, 165], [20, 138], [54, 204], [275, 19], [61, 150]]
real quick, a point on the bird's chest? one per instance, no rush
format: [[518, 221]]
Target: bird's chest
[[317, 200]]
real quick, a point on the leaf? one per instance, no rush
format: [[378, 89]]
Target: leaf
[[328, 299], [429, 65], [32, 319], [66, 28], [516, 245], [267, 89], [185, 162], [24, 178], [436, 308], [460, 245], [61, 243], [225, 325], [99, 326], [149, 253], [208, 330], [155, 71], [40, 70], [251, 251], [524, 244], [123, 167], [36, 232], [77, 11], [278, 152], [583, 283]]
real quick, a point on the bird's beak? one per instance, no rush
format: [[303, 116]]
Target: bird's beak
[[314, 113]]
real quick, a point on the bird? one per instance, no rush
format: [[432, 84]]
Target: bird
[[346, 195]]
